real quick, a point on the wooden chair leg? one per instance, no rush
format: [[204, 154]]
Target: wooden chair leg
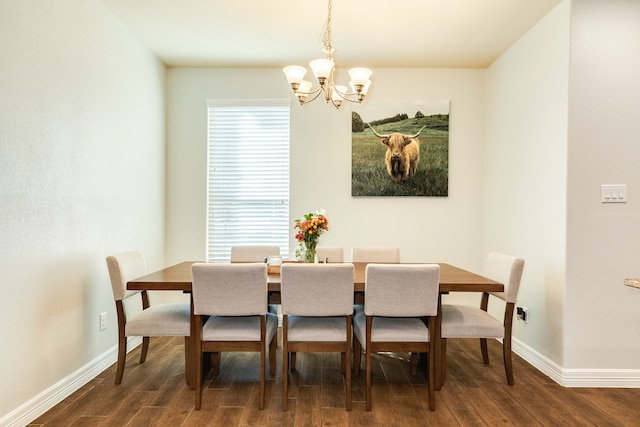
[[188, 360], [347, 363], [272, 357], [262, 377], [347, 360], [432, 380], [285, 364], [198, 368], [122, 358], [357, 356], [367, 368], [293, 360], [215, 363], [485, 352], [145, 349], [414, 364], [443, 360], [506, 355]]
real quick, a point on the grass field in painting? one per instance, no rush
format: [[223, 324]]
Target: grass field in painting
[[369, 176]]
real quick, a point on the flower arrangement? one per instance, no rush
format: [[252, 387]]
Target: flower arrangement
[[308, 232]]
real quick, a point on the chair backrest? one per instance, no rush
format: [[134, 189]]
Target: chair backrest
[[404, 290], [317, 289], [253, 253], [507, 270], [229, 289], [330, 253], [123, 267], [375, 254]]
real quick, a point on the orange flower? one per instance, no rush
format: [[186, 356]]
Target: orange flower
[[309, 229]]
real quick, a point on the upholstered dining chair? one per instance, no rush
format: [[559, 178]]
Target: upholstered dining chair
[[253, 253], [399, 316], [317, 309], [230, 309], [461, 321], [153, 320], [330, 253], [375, 254]]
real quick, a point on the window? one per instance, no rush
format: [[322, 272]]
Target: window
[[248, 176]]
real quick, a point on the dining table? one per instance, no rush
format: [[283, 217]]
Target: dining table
[[178, 278]]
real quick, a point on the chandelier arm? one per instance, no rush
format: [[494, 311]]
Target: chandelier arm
[[315, 94], [346, 96]]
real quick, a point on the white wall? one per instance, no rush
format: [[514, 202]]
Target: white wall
[[425, 228], [562, 114], [525, 173], [602, 315], [81, 176]]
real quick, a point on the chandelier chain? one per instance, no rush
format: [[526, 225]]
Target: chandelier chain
[[326, 38]]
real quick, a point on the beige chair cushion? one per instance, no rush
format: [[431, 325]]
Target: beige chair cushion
[[460, 321], [244, 328], [302, 328], [390, 329], [160, 320]]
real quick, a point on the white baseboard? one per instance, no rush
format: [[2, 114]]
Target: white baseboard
[[55, 394], [598, 378]]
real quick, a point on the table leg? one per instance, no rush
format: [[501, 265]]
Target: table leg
[[191, 351], [438, 345]]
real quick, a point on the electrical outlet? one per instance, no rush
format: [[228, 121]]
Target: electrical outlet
[[103, 321], [523, 313]]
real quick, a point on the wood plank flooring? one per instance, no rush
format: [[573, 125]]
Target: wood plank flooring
[[155, 394]]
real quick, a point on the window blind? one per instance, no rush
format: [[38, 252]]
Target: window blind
[[248, 176]]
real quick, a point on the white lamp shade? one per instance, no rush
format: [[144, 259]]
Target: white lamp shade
[[305, 87], [294, 73], [321, 67], [341, 89], [360, 75]]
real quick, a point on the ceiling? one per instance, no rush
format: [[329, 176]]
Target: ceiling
[[371, 33]]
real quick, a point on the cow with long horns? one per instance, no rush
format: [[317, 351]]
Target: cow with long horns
[[403, 153]]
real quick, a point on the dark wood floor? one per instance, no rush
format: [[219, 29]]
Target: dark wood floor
[[155, 394]]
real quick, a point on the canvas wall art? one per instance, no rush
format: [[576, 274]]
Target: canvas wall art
[[400, 148]]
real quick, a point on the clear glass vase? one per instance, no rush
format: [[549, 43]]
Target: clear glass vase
[[310, 252]]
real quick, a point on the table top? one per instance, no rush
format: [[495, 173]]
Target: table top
[[178, 277]]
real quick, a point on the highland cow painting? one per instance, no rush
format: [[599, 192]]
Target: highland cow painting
[[400, 148]]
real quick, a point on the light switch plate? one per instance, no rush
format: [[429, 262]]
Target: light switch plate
[[103, 321], [614, 193]]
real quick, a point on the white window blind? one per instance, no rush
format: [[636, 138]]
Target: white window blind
[[248, 176]]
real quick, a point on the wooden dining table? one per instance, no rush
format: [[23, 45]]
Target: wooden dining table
[[178, 278]]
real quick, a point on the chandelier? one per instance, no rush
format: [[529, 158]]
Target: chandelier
[[323, 69]]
